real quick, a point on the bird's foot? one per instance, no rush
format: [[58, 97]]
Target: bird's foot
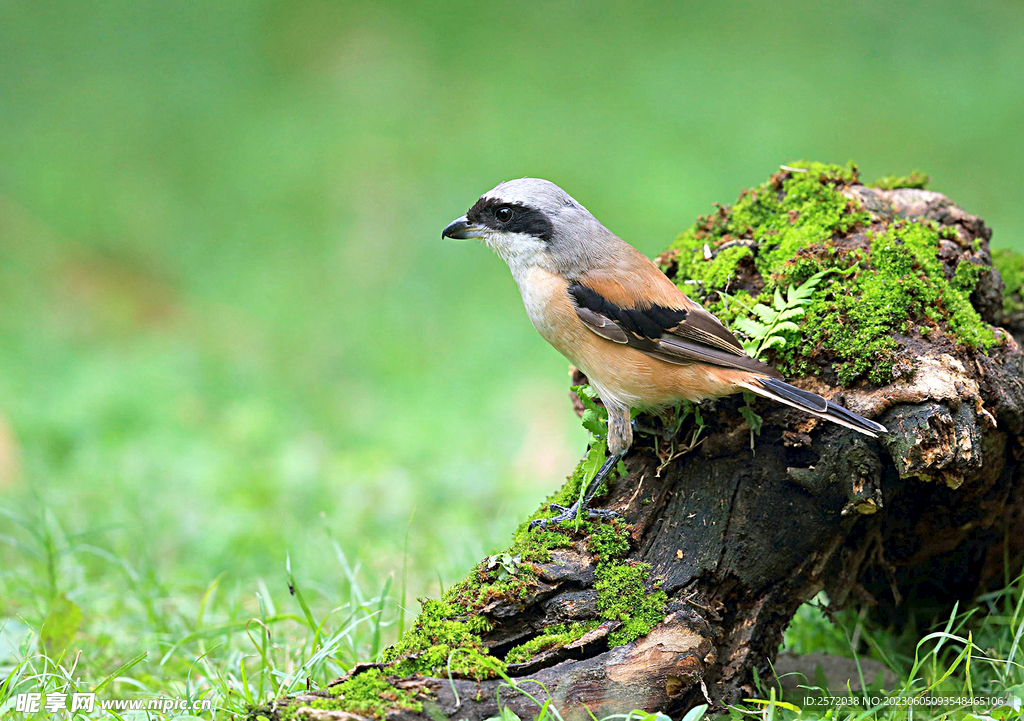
[[568, 513]]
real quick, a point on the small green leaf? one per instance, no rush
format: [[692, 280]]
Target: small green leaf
[[592, 464], [60, 626], [696, 713], [753, 420], [593, 423], [293, 587], [588, 397], [508, 714], [120, 670], [765, 334], [595, 459]]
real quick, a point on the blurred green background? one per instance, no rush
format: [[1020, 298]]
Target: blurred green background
[[228, 326]]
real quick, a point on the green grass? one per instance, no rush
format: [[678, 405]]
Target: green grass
[[973, 654], [230, 334], [238, 648]]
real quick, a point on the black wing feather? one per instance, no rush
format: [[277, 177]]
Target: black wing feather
[[675, 335]]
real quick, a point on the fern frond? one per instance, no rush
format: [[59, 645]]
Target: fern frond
[[794, 312], [766, 314], [750, 327], [780, 302], [773, 320]]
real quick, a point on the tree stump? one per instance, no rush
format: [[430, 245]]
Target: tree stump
[[721, 542]]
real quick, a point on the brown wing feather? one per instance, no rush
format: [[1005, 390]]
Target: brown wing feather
[[636, 281], [705, 328], [651, 314]]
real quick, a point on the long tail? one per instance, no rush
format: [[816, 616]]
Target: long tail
[[812, 403]]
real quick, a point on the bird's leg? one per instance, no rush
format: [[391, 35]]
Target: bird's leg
[[620, 438], [582, 507]]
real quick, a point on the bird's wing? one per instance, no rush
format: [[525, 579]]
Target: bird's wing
[[672, 328]]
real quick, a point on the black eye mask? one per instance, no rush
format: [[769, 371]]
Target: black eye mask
[[525, 219]]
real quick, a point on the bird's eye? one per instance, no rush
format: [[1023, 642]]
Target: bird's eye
[[503, 214]]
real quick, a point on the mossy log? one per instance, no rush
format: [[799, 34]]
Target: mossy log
[[722, 542]]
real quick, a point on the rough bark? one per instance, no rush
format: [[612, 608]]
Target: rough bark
[[929, 515]]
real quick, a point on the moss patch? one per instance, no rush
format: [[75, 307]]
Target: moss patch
[[1010, 265], [903, 290], [916, 179], [452, 628], [444, 638], [609, 542], [368, 694], [553, 637], [791, 212], [623, 586], [887, 280], [622, 595]]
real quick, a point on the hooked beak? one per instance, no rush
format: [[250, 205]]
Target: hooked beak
[[462, 229]]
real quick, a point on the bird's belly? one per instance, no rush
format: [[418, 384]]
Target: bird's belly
[[640, 381]]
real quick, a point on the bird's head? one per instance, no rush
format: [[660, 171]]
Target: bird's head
[[530, 222]]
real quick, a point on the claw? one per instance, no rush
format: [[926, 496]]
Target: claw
[[569, 514], [603, 513]]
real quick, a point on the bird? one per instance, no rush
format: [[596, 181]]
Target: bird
[[643, 344]]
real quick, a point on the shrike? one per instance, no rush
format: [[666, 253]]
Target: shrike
[[602, 304]]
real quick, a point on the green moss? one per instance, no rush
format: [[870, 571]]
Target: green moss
[[609, 541], [622, 595], [854, 319], [447, 634], [916, 179], [810, 211], [1010, 265], [621, 585], [721, 269], [791, 212], [367, 694], [552, 637], [451, 627], [967, 276], [895, 285], [441, 632]]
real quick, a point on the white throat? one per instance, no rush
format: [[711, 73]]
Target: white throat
[[519, 251]]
